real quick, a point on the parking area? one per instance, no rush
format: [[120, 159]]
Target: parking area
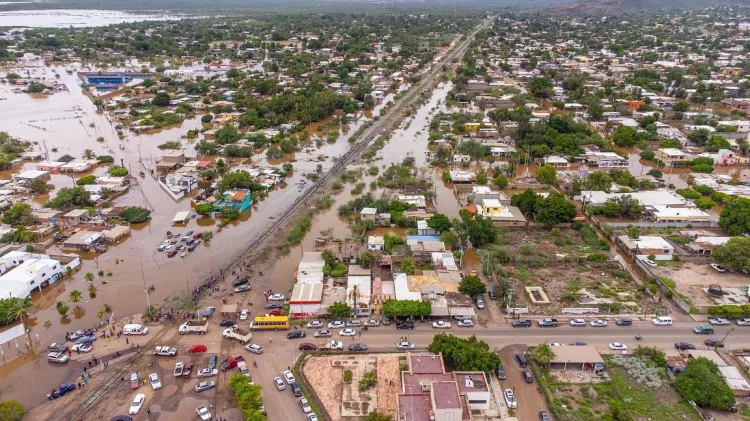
[[530, 400]]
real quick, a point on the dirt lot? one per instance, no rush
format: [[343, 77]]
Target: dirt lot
[[691, 278], [530, 400], [558, 262]]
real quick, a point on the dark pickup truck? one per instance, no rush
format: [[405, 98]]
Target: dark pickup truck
[[548, 323], [241, 281], [521, 323]]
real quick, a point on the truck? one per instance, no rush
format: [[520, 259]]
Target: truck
[[234, 332], [242, 366], [194, 326], [332, 345], [547, 323]]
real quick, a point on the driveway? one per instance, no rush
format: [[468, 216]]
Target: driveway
[[530, 401]]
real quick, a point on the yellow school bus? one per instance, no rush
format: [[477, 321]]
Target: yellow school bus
[[270, 323]]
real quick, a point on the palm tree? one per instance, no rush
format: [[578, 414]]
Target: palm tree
[[75, 296], [107, 308], [20, 309], [354, 295], [543, 354], [100, 315], [92, 291], [89, 276], [88, 154]]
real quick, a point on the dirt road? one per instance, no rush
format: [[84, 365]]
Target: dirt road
[[530, 401]]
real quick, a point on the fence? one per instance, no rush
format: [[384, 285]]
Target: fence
[[582, 310], [682, 304], [518, 310]]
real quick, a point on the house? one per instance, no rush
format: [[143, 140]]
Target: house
[[556, 161], [31, 175], [239, 200], [578, 358], [647, 245], [670, 155], [170, 161], [472, 127], [78, 166], [461, 177], [116, 233], [33, 273], [419, 201], [359, 289], [725, 157], [310, 268], [306, 299], [76, 216], [82, 241], [490, 208], [424, 229], [181, 217], [376, 243], [368, 214], [603, 159], [704, 245]]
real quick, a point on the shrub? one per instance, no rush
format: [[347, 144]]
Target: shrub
[[347, 376]]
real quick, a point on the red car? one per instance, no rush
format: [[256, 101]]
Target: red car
[[197, 348], [275, 312], [187, 370]]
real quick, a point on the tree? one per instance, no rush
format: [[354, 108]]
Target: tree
[[717, 142], [88, 154], [439, 223], [135, 214], [406, 308], [117, 171], [161, 99], [62, 308], [546, 174], [540, 87], [39, 186], [366, 259], [481, 177], [501, 181], [70, 197], [204, 208], [238, 180], [450, 239], [105, 159], [554, 210], [206, 118], [735, 218], [248, 396], [407, 266], [704, 204], [472, 148], [681, 107], [472, 286], [543, 354], [11, 410], [701, 383], [19, 215], [75, 296], [699, 137], [339, 310], [377, 416], [598, 181], [89, 276], [634, 232], [481, 231], [35, 88], [274, 153], [468, 354], [735, 254], [624, 136], [227, 134]]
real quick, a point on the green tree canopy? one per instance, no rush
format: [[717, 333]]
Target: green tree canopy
[[407, 308], [19, 215], [238, 179], [547, 174], [70, 197], [135, 214], [339, 310], [735, 218], [11, 410], [468, 354], [248, 396], [701, 383], [735, 254], [624, 136], [439, 223], [540, 87], [472, 286], [543, 354], [717, 142]]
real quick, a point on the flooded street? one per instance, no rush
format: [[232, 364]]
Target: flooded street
[[75, 18]]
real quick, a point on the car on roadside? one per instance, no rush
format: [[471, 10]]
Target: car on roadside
[[242, 288], [227, 323], [187, 370], [407, 325], [307, 346], [578, 323], [277, 297], [197, 348], [312, 417], [544, 416], [441, 325], [305, 405], [492, 295], [650, 263], [322, 334], [203, 412], [165, 351], [598, 323], [405, 346], [153, 378], [577, 343], [718, 321], [82, 347], [521, 358], [86, 339], [500, 372], [743, 322], [713, 342], [179, 367], [296, 390], [244, 315], [521, 323], [297, 334], [208, 372], [336, 324], [353, 323], [315, 324], [254, 348], [203, 386], [63, 390], [55, 347], [357, 347], [683, 346], [556, 344], [274, 306], [347, 332], [703, 330], [510, 399], [372, 323], [289, 377], [466, 323], [527, 376], [213, 360], [137, 404], [135, 381], [479, 302], [57, 357], [717, 268], [624, 322], [617, 346], [279, 383]]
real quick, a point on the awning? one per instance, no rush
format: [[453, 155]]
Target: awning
[[462, 311], [181, 217]]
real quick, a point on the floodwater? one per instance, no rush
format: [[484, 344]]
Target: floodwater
[[75, 18], [67, 123]]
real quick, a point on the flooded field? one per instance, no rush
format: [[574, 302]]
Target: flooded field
[[75, 18]]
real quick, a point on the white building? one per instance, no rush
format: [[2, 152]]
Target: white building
[[33, 273], [376, 243]]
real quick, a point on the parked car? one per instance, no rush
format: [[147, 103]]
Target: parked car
[[242, 288], [305, 405], [650, 263], [521, 323], [254, 348], [296, 390], [179, 367], [500, 372], [718, 321], [307, 346], [713, 342], [743, 322], [212, 361], [137, 404], [63, 390], [227, 323], [408, 325], [527, 376], [322, 334], [683, 346], [479, 302], [208, 372], [357, 347], [57, 357], [624, 322], [510, 399], [577, 343], [86, 339], [197, 348], [347, 332], [703, 330], [492, 295], [315, 324], [598, 323], [187, 370], [296, 334], [135, 382], [203, 386], [203, 412], [616, 346], [280, 385], [466, 323], [521, 358], [372, 323], [353, 323], [544, 416], [578, 322], [244, 314], [82, 347], [153, 378], [337, 324], [718, 268], [165, 351], [276, 297], [289, 377], [55, 347], [405, 346], [441, 325]]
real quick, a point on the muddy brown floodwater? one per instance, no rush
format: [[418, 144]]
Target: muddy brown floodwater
[[67, 123]]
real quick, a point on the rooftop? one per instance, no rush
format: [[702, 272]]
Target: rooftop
[[426, 364], [446, 395], [576, 354]]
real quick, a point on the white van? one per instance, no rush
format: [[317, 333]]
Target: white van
[[662, 321], [134, 329]]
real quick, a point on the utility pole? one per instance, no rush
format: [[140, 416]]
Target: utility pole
[[143, 278]]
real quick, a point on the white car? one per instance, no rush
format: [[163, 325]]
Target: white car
[[441, 325], [743, 322], [279, 383], [510, 398], [208, 372], [347, 332], [254, 348], [556, 344], [84, 347], [650, 263], [718, 321], [718, 268], [203, 413], [244, 314], [336, 324], [305, 405], [598, 323], [616, 346], [405, 346], [353, 323], [578, 322], [169, 248], [137, 404], [178, 369], [276, 297], [315, 324], [289, 377], [372, 323], [312, 417], [466, 323], [153, 378]]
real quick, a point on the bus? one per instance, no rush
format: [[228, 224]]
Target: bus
[[270, 323]]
